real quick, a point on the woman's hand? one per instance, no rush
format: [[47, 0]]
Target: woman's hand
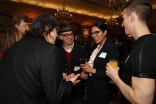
[[84, 75], [87, 68]]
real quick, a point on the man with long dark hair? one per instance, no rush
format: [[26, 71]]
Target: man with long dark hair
[[30, 70]]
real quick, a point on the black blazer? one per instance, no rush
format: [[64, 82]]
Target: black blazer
[[98, 82], [30, 73]]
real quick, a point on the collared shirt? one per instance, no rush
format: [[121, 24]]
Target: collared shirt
[[68, 50], [92, 57]]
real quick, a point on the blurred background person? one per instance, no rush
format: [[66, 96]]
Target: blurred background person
[[58, 41], [78, 38], [99, 90], [71, 54], [20, 24], [30, 71], [8, 36]]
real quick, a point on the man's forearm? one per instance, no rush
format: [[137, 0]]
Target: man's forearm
[[127, 91]]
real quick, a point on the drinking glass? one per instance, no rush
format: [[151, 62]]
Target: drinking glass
[[114, 64], [82, 61]]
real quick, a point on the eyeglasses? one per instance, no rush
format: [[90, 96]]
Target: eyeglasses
[[96, 33], [68, 35]]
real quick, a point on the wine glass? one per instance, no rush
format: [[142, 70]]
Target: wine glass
[[82, 61]]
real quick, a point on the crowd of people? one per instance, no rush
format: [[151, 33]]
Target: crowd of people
[[35, 67]]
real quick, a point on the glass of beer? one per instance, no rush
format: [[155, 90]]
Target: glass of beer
[[114, 64]]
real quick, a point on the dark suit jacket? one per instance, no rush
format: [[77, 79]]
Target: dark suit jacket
[[98, 81], [30, 73], [78, 52]]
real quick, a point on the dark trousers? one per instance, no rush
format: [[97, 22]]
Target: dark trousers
[[77, 95], [94, 98]]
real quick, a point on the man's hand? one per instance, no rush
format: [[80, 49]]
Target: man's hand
[[64, 76], [72, 75], [111, 72], [74, 80]]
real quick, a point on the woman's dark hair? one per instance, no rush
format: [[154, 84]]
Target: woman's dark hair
[[44, 23], [101, 25], [8, 36]]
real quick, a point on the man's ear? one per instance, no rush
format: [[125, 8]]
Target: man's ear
[[60, 37], [46, 28], [133, 16], [16, 26]]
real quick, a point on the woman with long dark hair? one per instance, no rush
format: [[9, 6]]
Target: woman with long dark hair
[[99, 90]]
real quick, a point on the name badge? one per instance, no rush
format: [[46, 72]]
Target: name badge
[[76, 68], [103, 55]]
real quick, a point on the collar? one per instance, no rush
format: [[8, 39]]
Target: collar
[[100, 47], [68, 50]]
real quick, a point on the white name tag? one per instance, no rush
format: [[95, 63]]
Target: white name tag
[[76, 68], [103, 55]]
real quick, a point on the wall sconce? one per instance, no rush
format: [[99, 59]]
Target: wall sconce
[[86, 32]]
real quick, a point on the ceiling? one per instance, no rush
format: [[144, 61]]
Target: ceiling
[[95, 8]]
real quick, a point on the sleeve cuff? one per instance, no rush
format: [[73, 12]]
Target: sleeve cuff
[[143, 75]]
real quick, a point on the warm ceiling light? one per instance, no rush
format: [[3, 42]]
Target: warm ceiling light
[[55, 6], [111, 22], [63, 14], [116, 6]]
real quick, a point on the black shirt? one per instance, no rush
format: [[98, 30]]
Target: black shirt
[[141, 61]]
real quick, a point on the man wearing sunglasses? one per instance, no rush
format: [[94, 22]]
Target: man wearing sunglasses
[[71, 56]]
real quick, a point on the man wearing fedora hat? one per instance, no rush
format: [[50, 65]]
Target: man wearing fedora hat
[[71, 55]]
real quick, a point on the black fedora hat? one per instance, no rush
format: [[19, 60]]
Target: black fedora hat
[[64, 27]]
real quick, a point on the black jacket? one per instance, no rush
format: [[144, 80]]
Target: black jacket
[[99, 81], [30, 73], [78, 52]]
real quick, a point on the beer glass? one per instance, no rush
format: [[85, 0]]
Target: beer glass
[[114, 64]]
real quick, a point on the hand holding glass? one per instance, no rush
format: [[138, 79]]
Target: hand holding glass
[[114, 64], [82, 61]]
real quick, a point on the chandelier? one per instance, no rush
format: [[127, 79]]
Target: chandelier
[[116, 6], [63, 14], [111, 22]]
